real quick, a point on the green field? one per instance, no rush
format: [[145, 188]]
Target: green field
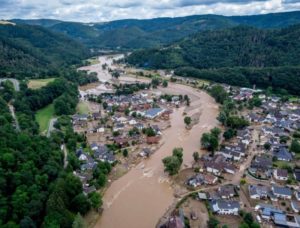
[[93, 61], [38, 83], [83, 108], [43, 117]]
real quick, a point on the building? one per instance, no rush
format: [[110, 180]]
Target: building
[[281, 192], [225, 207], [258, 191], [280, 174], [226, 192], [153, 113]]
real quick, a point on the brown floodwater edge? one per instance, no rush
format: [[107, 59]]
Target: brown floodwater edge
[[145, 193]]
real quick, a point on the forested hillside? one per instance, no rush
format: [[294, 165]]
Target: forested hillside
[[35, 190], [240, 56], [135, 34], [27, 50]]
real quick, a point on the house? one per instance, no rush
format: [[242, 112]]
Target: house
[[225, 207], [229, 153], [94, 146], [103, 154], [153, 113], [282, 154], [218, 164], [261, 163], [282, 192], [267, 211], [210, 179], [132, 122], [258, 191], [96, 116], [297, 174], [89, 189], [226, 192], [121, 141], [297, 195], [153, 139], [100, 130], [196, 181], [80, 117], [119, 127], [139, 126], [146, 152], [295, 206], [280, 174]]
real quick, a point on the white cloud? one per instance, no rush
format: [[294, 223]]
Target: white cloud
[[106, 10]]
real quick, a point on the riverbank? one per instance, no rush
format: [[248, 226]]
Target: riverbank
[[141, 196]]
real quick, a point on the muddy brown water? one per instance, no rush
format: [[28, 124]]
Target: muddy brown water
[[141, 197]]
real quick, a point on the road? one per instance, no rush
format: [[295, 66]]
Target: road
[[15, 82], [51, 126], [64, 149], [12, 111]]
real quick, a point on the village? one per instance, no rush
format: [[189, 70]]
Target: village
[[256, 171], [252, 173]]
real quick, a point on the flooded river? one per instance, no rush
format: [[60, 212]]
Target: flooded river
[[142, 196]]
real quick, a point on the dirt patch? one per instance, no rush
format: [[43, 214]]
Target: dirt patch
[[199, 212], [89, 86], [230, 221]]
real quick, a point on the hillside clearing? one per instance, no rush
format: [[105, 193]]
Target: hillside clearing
[[38, 83], [83, 108], [43, 117]]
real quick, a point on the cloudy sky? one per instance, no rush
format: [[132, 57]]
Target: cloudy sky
[[107, 10]]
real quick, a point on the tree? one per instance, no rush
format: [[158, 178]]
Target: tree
[[95, 200], [236, 122], [80, 204], [219, 93], [212, 223], [209, 142], [178, 152], [248, 218], [187, 120], [267, 146], [229, 134], [196, 156], [172, 165], [215, 132], [295, 146], [125, 153], [165, 83], [78, 222], [115, 74]]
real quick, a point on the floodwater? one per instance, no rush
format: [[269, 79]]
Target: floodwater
[[141, 197]]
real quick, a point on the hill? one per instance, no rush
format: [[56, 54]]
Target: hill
[[239, 46], [28, 50], [240, 56], [136, 34]]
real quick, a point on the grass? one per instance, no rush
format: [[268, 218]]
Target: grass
[[83, 108], [93, 61], [43, 117], [39, 83], [282, 164]]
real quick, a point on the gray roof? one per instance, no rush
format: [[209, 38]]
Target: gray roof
[[153, 112], [227, 205], [281, 190], [283, 154]]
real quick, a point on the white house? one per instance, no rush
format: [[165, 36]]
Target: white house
[[225, 207], [280, 174], [282, 192]]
